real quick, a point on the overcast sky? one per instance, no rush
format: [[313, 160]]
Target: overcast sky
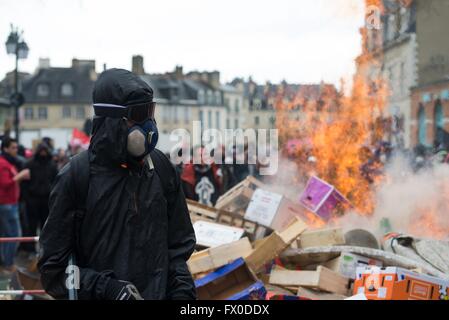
[[301, 41]]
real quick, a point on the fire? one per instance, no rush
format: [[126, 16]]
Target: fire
[[336, 134], [335, 130]]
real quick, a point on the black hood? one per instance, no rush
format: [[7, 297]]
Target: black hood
[[121, 87], [40, 147], [108, 145]]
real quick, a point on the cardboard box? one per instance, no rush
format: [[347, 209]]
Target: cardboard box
[[269, 248], [234, 281], [323, 199], [209, 234], [347, 264], [393, 283], [271, 209], [322, 279], [214, 258], [321, 238]]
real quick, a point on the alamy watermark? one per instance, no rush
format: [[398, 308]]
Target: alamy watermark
[[228, 146]]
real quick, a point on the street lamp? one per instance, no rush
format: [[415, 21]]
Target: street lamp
[[17, 46]]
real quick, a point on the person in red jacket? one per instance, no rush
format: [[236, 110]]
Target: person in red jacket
[[9, 198]]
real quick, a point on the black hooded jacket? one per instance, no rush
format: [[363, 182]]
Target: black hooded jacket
[[134, 229], [43, 172]]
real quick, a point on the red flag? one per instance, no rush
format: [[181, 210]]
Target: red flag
[[79, 138]]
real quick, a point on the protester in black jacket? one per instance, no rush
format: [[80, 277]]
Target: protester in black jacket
[[36, 192], [136, 235]]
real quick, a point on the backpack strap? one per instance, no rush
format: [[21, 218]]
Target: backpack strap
[[162, 167], [80, 171]]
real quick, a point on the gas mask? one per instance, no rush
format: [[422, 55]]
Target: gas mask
[[142, 138]]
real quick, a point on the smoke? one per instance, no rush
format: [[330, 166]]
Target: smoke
[[414, 203], [288, 180]]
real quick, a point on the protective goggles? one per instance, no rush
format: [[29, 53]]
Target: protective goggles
[[136, 113]]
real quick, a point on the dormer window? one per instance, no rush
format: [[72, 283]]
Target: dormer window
[[217, 97], [43, 90], [67, 90], [201, 96], [210, 97]]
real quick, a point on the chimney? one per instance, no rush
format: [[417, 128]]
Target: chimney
[[178, 73], [137, 65], [80, 63], [213, 78], [44, 63]]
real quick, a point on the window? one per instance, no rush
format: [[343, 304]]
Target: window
[[165, 114], [217, 119], [186, 114], [226, 102], [236, 123], [201, 97], [228, 124], [422, 126], [237, 105], [66, 90], [202, 118], [66, 112], [209, 119], [402, 78], [217, 97], [175, 114], [42, 113], [29, 113], [210, 97], [80, 113], [256, 120], [43, 90]]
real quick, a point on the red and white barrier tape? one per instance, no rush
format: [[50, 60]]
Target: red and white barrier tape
[[19, 239]]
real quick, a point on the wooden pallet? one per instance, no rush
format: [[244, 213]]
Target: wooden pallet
[[322, 279], [238, 197], [269, 248], [213, 258], [200, 211]]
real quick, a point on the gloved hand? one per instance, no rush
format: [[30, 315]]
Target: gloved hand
[[121, 290]]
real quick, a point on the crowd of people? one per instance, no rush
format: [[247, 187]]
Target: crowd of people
[[26, 178]]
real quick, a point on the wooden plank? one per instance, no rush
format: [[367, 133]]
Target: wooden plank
[[332, 282], [321, 279], [273, 245], [321, 238], [213, 258], [293, 231]]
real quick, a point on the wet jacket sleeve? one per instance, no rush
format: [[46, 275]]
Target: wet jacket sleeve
[[57, 244], [181, 244]]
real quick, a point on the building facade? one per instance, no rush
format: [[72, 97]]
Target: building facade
[[407, 52], [57, 100], [430, 115]]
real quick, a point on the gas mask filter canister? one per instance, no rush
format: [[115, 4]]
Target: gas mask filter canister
[[142, 138]]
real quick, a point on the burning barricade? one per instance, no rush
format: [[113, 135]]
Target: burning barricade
[[259, 244]]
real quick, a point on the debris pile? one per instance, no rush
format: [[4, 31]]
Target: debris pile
[[259, 244]]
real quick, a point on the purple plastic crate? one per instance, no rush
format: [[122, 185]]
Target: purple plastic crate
[[321, 198]]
